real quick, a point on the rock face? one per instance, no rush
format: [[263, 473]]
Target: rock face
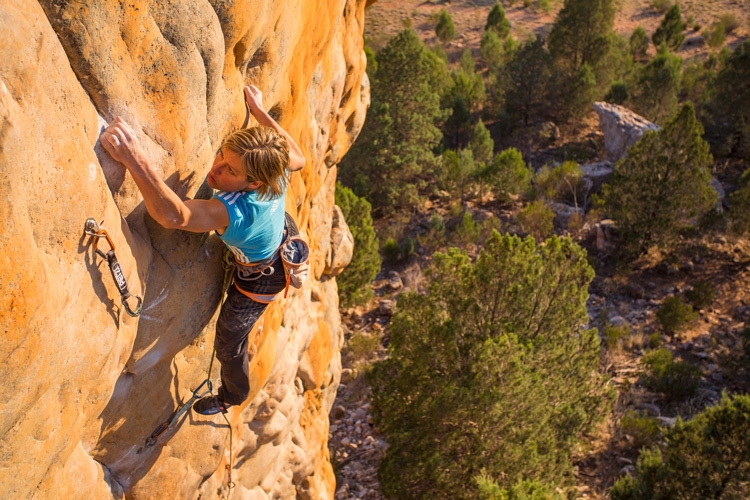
[[621, 127], [85, 384]]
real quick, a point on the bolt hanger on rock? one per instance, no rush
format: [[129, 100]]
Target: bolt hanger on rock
[[93, 229]]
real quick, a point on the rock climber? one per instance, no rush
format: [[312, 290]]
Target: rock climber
[[250, 174]]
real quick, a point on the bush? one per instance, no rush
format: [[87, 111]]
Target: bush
[[480, 380], [654, 92], [701, 295], [354, 282], [677, 381], [662, 186], [391, 251], [468, 230], [536, 219], [614, 334], [444, 29], [729, 21], [670, 31], [716, 36], [644, 429], [497, 22], [561, 183], [639, 44], [674, 314], [507, 174], [706, 457], [618, 93], [661, 5]]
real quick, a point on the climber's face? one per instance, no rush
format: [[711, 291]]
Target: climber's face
[[227, 174]]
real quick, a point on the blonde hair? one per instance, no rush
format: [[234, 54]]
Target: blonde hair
[[265, 158]]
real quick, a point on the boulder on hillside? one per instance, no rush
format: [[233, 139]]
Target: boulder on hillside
[[621, 127]]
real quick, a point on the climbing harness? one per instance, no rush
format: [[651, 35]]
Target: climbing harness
[[94, 230]]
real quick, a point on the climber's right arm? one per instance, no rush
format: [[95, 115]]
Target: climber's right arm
[[162, 203]]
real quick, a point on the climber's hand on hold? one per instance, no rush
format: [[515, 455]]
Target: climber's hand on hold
[[122, 144], [254, 100]]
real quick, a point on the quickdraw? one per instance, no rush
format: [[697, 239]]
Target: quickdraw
[[197, 394], [92, 229]]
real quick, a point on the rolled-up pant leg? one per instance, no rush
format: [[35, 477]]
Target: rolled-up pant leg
[[237, 317]]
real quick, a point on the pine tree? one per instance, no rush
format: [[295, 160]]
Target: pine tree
[[490, 374], [354, 282], [507, 174], [497, 22], [729, 106], [528, 74], [582, 34], [465, 95], [706, 457], [392, 159], [670, 31], [654, 94], [638, 44], [662, 185], [445, 30]]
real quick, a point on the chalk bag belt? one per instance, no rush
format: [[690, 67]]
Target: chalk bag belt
[[92, 229]]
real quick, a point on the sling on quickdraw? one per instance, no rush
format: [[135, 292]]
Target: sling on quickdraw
[[92, 229]]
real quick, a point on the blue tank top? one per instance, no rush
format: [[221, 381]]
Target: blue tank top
[[255, 227]]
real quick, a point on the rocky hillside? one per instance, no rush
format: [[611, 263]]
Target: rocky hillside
[[86, 383]]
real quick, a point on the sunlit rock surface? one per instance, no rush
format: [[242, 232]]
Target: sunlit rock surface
[[84, 383]]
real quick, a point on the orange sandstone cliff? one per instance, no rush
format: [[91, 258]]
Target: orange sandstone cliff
[[84, 384]]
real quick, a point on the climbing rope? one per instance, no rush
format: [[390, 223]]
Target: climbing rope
[[94, 230], [197, 394]]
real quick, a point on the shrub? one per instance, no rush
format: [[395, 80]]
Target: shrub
[[654, 92], [561, 183], [706, 457], [618, 93], [497, 22], [480, 380], [716, 36], [661, 186], [701, 295], [613, 334], [674, 314], [468, 230], [729, 21], [354, 282], [444, 29], [675, 380], [507, 174], [670, 31], [639, 44], [391, 251], [643, 428], [536, 219], [661, 5]]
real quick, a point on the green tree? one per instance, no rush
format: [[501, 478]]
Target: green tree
[[739, 206], [354, 282], [507, 174], [497, 22], [465, 95], [458, 168], [662, 184], [444, 29], [481, 144], [639, 44], [392, 159], [582, 34], [528, 74], [490, 373], [492, 51], [729, 106], [670, 31], [706, 457], [657, 83]]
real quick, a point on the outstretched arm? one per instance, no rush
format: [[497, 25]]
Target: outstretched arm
[[162, 203], [254, 100]]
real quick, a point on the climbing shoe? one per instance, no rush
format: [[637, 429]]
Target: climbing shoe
[[210, 406]]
